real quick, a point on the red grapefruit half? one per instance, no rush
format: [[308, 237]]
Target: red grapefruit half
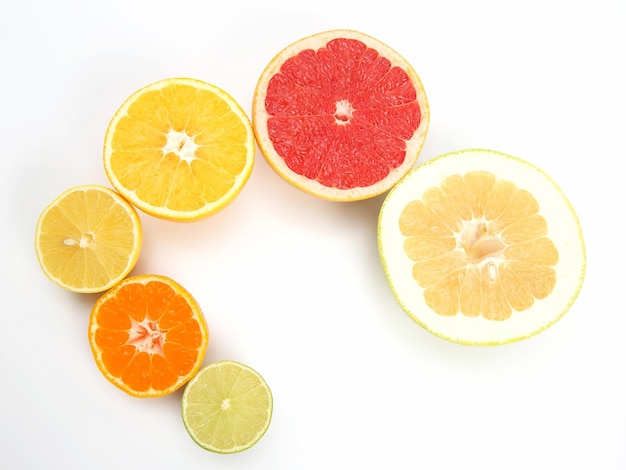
[[340, 115]]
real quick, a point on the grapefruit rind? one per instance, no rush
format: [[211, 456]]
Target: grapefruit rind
[[199, 387], [97, 352], [312, 187], [164, 212], [564, 230], [133, 256]]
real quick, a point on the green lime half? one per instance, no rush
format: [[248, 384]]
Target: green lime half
[[227, 407]]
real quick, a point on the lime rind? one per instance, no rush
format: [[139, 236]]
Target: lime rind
[[565, 231]]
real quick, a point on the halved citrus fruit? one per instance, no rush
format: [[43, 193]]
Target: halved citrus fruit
[[340, 115], [481, 248], [227, 407], [179, 149], [88, 238], [148, 335]]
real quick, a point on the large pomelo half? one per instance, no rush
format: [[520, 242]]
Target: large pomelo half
[[481, 248], [340, 115]]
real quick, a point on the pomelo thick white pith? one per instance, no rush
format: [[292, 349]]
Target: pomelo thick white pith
[[338, 96], [563, 233]]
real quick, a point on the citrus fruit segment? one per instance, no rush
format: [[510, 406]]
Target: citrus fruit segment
[[148, 335], [340, 115], [481, 248], [88, 239], [227, 407], [179, 149]]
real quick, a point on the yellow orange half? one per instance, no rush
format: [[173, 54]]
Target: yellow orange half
[[179, 149]]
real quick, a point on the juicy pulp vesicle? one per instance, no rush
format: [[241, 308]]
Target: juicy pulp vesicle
[[342, 114], [476, 270]]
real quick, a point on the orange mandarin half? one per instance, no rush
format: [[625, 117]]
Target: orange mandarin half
[[148, 335]]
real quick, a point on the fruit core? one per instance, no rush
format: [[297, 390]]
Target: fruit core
[[84, 241], [343, 112], [180, 144], [147, 337], [478, 243]]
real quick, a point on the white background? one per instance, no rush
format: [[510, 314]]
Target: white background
[[292, 285]]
